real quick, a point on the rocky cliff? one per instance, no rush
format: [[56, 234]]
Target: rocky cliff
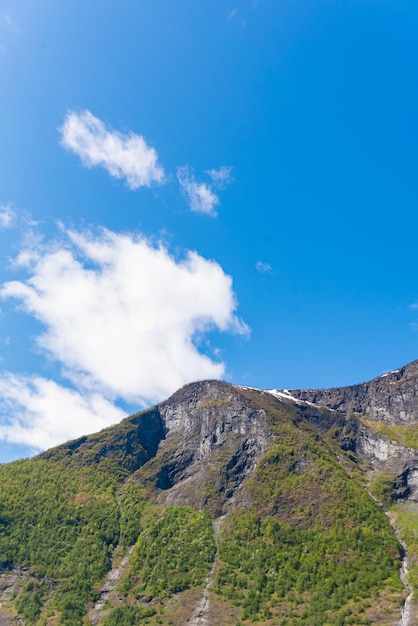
[[215, 439], [391, 398]]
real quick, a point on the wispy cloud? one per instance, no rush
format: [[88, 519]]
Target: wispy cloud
[[122, 317], [221, 177], [7, 216], [263, 268], [201, 196], [124, 156]]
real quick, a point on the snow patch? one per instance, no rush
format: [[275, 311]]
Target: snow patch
[[389, 373], [282, 394], [250, 388]]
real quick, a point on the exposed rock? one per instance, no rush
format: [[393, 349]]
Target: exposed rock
[[391, 398], [215, 439], [12, 581], [108, 591]]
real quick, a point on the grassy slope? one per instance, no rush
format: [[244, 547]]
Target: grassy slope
[[406, 435]]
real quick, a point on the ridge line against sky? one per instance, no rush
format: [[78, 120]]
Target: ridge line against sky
[[172, 176]]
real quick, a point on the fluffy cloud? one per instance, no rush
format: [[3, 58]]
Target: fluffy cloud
[[123, 318], [7, 216], [39, 413], [123, 156]]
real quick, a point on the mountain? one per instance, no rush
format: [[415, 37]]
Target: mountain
[[221, 506]]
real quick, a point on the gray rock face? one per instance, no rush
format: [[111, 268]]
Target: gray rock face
[[208, 412], [391, 398], [212, 425], [215, 438], [391, 458]]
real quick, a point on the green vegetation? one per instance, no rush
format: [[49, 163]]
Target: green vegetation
[[304, 543], [270, 568], [407, 524], [31, 600], [312, 547], [404, 435], [382, 488], [62, 518], [64, 513], [208, 403], [132, 505], [128, 615], [63, 523], [174, 552]]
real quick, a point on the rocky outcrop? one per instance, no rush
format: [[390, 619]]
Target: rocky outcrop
[[215, 439], [391, 459], [206, 413], [11, 583], [391, 398]]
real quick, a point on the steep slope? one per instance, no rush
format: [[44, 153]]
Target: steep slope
[[216, 437], [251, 504]]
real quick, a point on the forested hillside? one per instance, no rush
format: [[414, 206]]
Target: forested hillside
[[223, 504]]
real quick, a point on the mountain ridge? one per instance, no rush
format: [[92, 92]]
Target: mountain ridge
[[285, 474], [391, 397]]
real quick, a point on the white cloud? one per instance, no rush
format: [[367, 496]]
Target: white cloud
[[125, 156], [122, 318], [7, 216], [263, 268], [201, 196], [221, 177], [39, 413]]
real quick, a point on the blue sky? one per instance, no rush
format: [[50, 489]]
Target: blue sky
[[201, 189]]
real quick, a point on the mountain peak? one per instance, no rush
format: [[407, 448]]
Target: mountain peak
[[240, 503]]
